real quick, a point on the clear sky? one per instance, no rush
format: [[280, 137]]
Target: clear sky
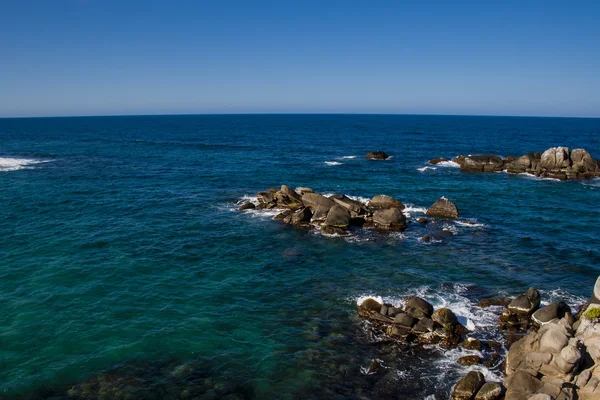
[[97, 57]]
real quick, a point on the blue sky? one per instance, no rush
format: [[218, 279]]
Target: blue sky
[[98, 57]]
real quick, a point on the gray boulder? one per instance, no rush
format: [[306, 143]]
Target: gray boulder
[[338, 217], [489, 391], [443, 208], [354, 207], [555, 158], [405, 320], [468, 386], [319, 214], [418, 308], [424, 325], [550, 312], [391, 218], [247, 206], [383, 201], [445, 317], [314, 200], [482, 163], [526, 303]]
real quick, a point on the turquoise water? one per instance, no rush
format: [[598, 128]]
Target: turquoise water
[[121, 247]]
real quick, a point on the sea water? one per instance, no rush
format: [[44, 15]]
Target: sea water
[[121, 249]]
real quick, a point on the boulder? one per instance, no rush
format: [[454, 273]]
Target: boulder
[[368, 307], [445, 317], [354, 207], [247, 206], [267, 196], [377, 155], [424, 325], [283, 215], [553, 341], [526, 303], [443, 208], [319, 214], [550, 312], [391, 218], [300, 216], [383, 201], [482, 163], [595, 299], [422, 220], [314, 200], [468, 386], [338, 217], [472, 344], [521, 383], [418, 308], [302, 190], [404, 319], [490, 391], [555, 158]]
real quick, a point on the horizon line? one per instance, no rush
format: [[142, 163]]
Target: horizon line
[[291, 113]]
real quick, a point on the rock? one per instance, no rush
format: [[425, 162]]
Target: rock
[[595, 299], [553, 341], [521, 383], [422, 220], [541, 396], [550, 312], [404, 320], [302, 190], [283, 215], [354, 207], [338, 217], [424, 325], [443, 208], [472, 344], [482, 163], [391, 219], [468, 386], [383, 201], [319, 214], [435, 161], [445, 317], [247, 206], [469, 360], [377, 155], [314, 200], [494, 301], [370, 305], [300, 216], [555, 157], [489, 391], [526, 303], [418, 308]]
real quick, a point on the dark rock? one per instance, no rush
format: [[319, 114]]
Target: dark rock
[[472, 344], [338, 217], [283, 215], [300, 216], [469, 360], [422, 220], [377, 155], [482, 163], [391, 219], [445, 317], [320, 214], [404, 320], [418, 308], [333, 230], [443, 208], [494, 361], [435, 161], [399, 330], [468, 386], [313, 200], [550, 312], [370, 305], [267, 196], [527, 303], [426, 239], [247, 206], [494, 301], [354, 207], [383, 201], [490, 391]]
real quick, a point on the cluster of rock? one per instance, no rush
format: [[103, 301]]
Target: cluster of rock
[[559, 358], [336, 214], [416, 321], [556, 162]]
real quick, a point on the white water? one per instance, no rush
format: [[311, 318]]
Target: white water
[[15, 164], [332, 163]]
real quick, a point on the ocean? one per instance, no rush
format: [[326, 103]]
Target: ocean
[[127, 270]]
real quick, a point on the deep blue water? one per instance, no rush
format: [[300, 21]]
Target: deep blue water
[[124, 246]]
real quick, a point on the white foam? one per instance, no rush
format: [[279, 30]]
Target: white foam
[[362, 299], [248, 198], [593, 182], [551, 296], [15, 164], [448, 164], [361, 199], [470, 223], [331, 163], [426, 168], [409, 209], [348, 157]]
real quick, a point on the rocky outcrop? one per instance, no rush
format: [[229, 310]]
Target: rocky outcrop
[[377, 155], [413, 322], [556, 162], [443, 208], [341, 214], [560, 360], [517, 315]]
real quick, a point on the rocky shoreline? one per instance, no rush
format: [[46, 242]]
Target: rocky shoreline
[[555, 163], [553, 354]]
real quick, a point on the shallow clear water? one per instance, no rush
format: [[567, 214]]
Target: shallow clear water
[[121, 243]]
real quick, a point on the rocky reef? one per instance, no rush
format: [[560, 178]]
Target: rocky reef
[[556, 162], [338, 213]]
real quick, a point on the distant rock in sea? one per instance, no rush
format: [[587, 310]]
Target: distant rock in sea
[[555, 163], [377, 155]]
